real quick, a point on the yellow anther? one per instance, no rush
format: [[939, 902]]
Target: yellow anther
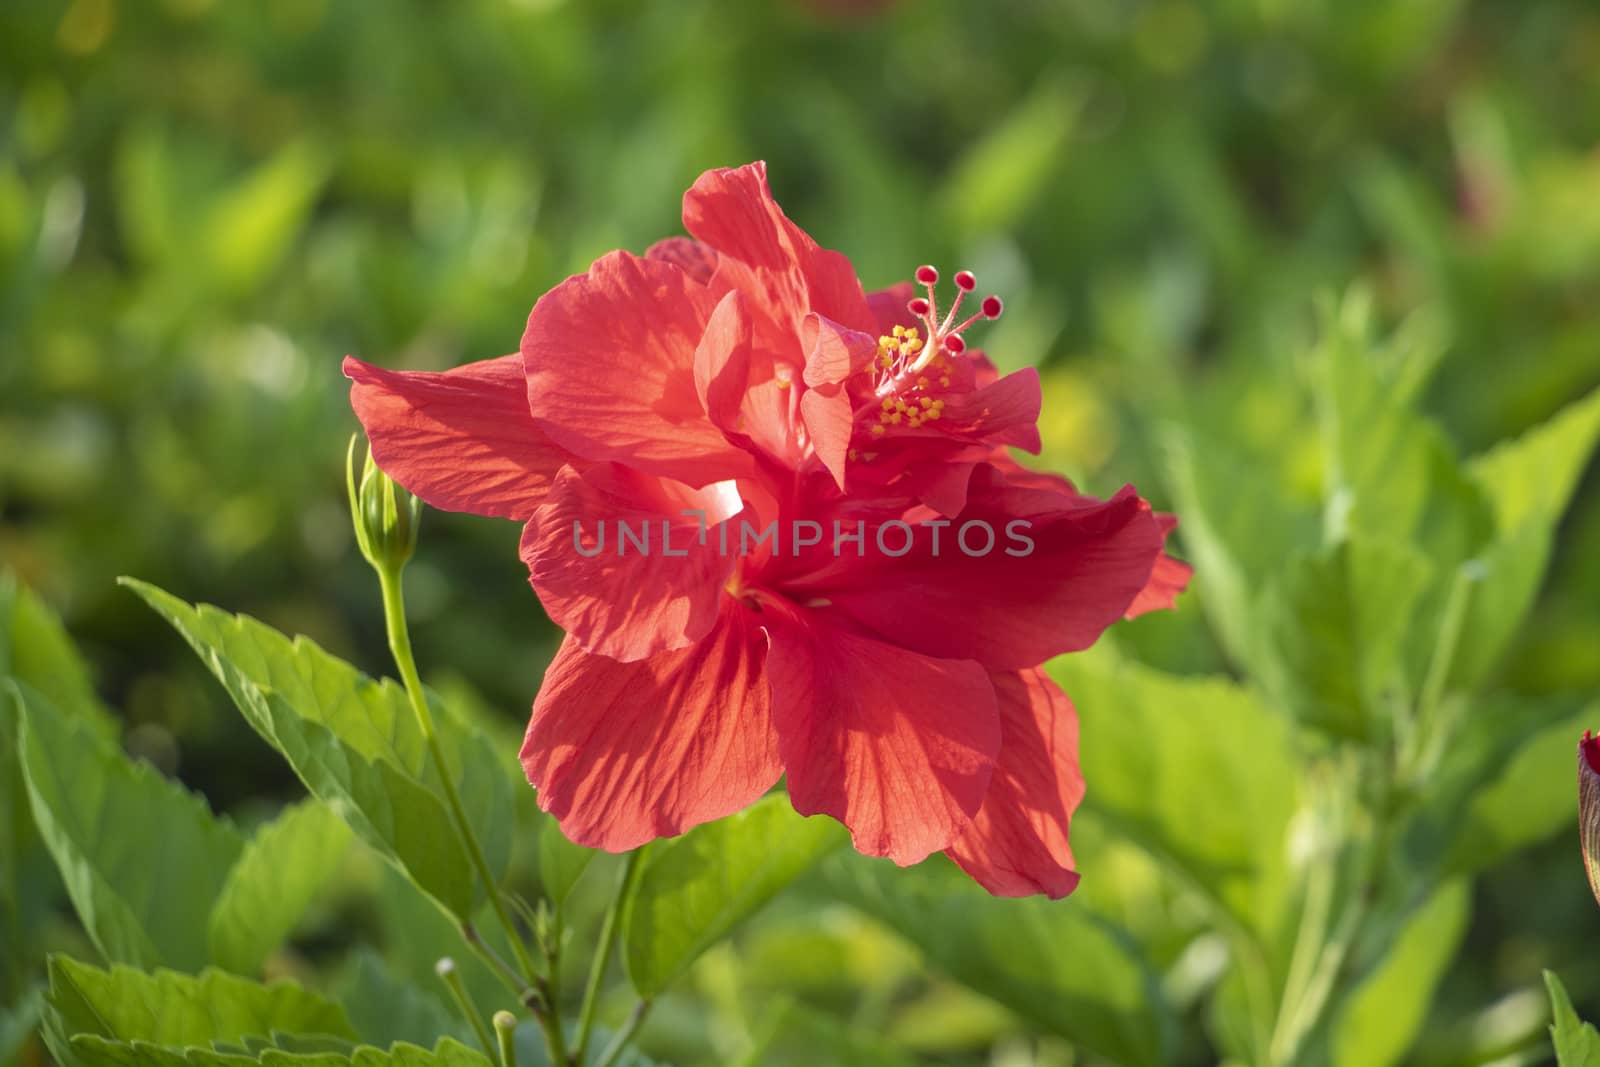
[[899, 331], [894, 419], [933, 416], [939, 405], [922, 383], [945, 381], [886, 341], [888, 403], [925, 402], [886, 361], [878, 431], [854, 455], [911, 332], [913, 422], [913, 345], [784, 383]]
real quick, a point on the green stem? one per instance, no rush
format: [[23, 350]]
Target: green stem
[[505, 1028], [614, 1051], [597, 969], [446, 969], [394, 617]]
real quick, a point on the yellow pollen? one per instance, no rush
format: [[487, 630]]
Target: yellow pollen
[[899, 331], [922, 383], [945, 381], [878, 431], [925, 402], [895, 419], [784, 383], [933, 416]]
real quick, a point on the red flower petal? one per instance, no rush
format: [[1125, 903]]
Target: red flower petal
[[1168, 578], [1003, 412], [785, 273], [610, 360], [698, 261], [722, 362], [462, 439], [898, 747], [888, 306], [834, 352], [623, 753], [1089, 560], [614, 597], [1017, 845]]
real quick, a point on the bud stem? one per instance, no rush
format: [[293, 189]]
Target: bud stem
[[394, 616], [451, 977], [505, 1028]]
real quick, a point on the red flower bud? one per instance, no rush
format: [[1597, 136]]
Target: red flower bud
[[1589, 807]]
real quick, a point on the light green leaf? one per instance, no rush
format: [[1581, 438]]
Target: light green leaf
[[179, 1010], [356, 745], [141, 857], [694, 890], [561, 863], [1528, 482], [283, 1051], [1384, 1014], [1148, 764], [1336, 628], [1237, 529], [1057, 966], [248, 229], [35, 648], [275, 879], [1577, 1043]]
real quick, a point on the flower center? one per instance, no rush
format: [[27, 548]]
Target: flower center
[[914, 362]]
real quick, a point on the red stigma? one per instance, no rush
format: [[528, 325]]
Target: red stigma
[[927, 275], [955, 345], [992, 307], [965, 281], [918, 306]]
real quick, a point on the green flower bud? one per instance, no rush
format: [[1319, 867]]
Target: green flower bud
[[384, 515]]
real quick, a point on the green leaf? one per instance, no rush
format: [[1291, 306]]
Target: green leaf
[[248, 229], [694, 890], [1383, 1015], [1528, 482], [1577, 1043], [1516, 800], [561, 863], [385, 1008], [1237, 530], [18, 1022], [794, 1035], [274, 880], [1152, 743], [1335, 630], [356, 745], [35, 648], [1054, 964], [141, 857], [179, 1010]]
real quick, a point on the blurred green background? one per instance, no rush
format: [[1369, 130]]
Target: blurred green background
[[204, 205]]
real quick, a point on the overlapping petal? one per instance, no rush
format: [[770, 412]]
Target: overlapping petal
[[623, 753], [1020, 576], [627, 563], [1017, 844], [1168, 578], [610, 358], [897, 746], [462, 439]]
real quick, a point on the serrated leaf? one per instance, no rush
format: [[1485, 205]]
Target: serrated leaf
[[165, 1008], [1383, 1015], [357, 747], [1577, 1043], [141, 857], [695, 889], [1058, 967], [1189, 737], [88, 1051], [1335, 630], [274, 880]]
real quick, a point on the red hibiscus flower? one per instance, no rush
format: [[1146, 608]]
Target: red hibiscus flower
[[778, 519]]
